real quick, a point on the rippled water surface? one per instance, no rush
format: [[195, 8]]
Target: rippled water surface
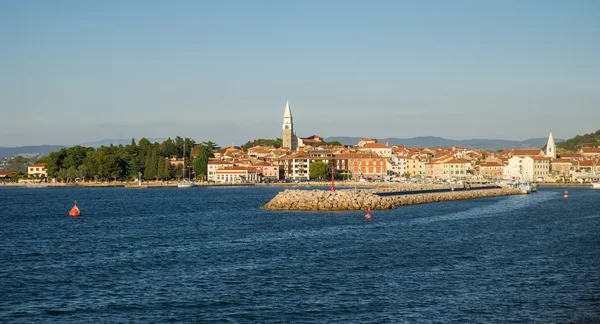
[[210, 255]]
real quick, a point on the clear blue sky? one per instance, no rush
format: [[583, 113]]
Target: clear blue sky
[[76, 71]]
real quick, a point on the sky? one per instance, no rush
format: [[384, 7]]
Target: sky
[[79, 71]]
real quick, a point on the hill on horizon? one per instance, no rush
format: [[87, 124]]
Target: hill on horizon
[[6, 152], [433, 141], [118, 141], [422, 141]]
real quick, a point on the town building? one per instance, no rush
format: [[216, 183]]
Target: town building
[[590, 152], [364, 165], [491, 169], [309, 141], [561, 168], [377, 148], [7, 174], [213, 166], [37, 170], [237, 174], [267, 170], [535, 168], [295, 166]]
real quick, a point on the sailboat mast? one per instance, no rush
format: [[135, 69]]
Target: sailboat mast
[[183, 160]]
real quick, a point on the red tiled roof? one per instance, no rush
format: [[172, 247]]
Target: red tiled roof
[[376, 145], [539, 158], [590, 150], [219, 162], [491, 164], [527, 152]]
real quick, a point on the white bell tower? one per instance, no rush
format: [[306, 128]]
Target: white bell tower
[[551, 147]]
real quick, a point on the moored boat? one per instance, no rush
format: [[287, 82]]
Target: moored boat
[[525, 187], [596, 185]]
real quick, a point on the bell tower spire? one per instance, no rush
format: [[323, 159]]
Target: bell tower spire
[[551, 147], [288, 128]]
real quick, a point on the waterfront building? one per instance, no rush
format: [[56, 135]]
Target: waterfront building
[[535, 168], [37, 170], [288, 135], [453, 168], [295, 166], [551, 147], [491, 169], [398, 164], [237, 174], [7, 174], [213, 166], [514, 170], [561, 168], [268, 170], [364, 165], [434, 168]]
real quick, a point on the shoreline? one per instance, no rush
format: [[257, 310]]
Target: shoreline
[[380, 186]]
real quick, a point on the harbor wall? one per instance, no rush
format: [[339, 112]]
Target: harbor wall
[[348, 200]]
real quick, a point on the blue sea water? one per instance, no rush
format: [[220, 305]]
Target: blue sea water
[[210, 255]]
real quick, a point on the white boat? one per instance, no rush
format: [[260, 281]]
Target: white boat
[[534, 187], [525, 187], [596, 185], [185, 183]]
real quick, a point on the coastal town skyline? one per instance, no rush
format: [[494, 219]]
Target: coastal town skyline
[[76, 72]]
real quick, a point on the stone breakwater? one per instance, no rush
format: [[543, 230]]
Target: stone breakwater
[[346, 200]]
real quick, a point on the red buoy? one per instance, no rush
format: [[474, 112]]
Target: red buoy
[[566, 194], [75, 211], [368, 216]]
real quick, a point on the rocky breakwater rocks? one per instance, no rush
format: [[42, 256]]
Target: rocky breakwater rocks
[[347, 200]]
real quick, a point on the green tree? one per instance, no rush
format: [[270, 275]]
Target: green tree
[[151, 166], [277, 142], [75, 156], [320, 171], [579, 141], [54, 162], [91, 165], [205, 152], [333, 143], [166, 170], [168, 148]]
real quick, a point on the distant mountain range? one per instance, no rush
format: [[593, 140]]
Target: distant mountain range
[[424, 141], [6, 152], [119, 141], [432, 141]]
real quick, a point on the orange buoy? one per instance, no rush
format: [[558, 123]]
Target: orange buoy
[[566, 194], [75, 211], [368, 216]]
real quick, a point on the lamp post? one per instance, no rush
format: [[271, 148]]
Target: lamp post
[[332, 175]]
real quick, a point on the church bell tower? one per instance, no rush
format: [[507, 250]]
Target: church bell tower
[[551, 147], [288, 128]]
